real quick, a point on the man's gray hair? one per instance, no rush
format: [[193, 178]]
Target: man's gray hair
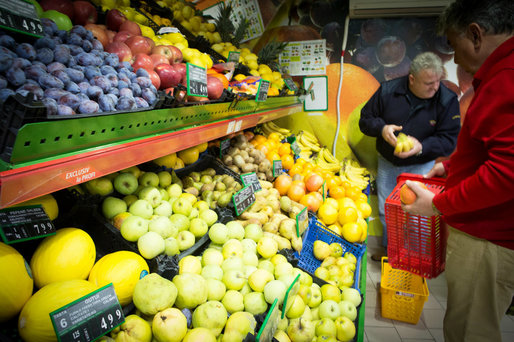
[[494, 16], [426, 61]]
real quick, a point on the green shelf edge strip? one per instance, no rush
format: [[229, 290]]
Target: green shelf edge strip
[[362, 313]]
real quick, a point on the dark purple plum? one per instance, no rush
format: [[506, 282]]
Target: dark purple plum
[[49, 81], [113, 97], [21, 63], [70, 100], [102, 82], [189, 317], [32, 88], [15, 76], [112, 60], [125, 79], [91, 72], [73, 88], [132, 76], [84, 86], [86, 59], [62, 54], [79, 67], [126, 103], [5, 61], [3, 82], [122, 84], [25, 50], [136, 89], [141, 103], [75, 75], [87, 46], [51, 105], [72, 62], [61, 34], [55, 66], [64, 110], [7, 41], [62, 75], [152, 88], [97, 45], [82, 97], [113, 79], [44, 42], [5, 50], [148, 95], [127, 65], [39, 64], [4, 93], [45, 55], [94, 92], [75, 50], [55, 93], [98, 61], [89, 36], [143, 82], [49, 26], [106, 103], [74, 39], [80, 30], [115, 91], [88, 107], [142, 73], [107, 69], [57, 40], [127, 92]]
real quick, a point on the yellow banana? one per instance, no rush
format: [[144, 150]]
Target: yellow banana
[[278, 129], [311, 137], [307, 142], [329, 157]]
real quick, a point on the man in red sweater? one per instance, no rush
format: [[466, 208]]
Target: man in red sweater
[[478, 201]]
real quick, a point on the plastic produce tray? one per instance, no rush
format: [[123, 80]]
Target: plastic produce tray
[[317, 231], [415, 243]]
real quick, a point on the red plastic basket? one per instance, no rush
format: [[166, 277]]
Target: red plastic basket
[[415, 243]]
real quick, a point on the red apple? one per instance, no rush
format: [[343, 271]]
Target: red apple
[[163, 50], [131, 27], [142, 60], [138, 44], [156, 80], [63, 6], [214, 88], [177, 54], [114, 19], [122, 36], [84, 13], [121, 49], [150, 42], [99, 33], [168, 75], [158, 59], [182, 70]]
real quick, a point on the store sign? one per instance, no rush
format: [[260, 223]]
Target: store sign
[[196, 80], [24, 223], [20, 16]]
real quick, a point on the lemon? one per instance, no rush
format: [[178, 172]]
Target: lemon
[[198, 61], [267, 76], [187, 25], [352, 232], [188, 54], [217, 37], [252, 64], [264, 69], [239, 77], [147, 31], [181, 46], [207, 60], [255, 73], [210, 27], [251, 57], [217, 47], [140, 19]]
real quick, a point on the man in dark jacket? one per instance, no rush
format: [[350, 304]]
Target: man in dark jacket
[[421, 108]]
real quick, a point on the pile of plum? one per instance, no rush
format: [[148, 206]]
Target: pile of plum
[[69, 72]]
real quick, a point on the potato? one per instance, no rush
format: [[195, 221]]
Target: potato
[[248, 168], [239, 161], [234, 168], [227, 160]]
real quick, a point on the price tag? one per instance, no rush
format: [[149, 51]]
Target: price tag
[[295, 148], [89, 317], [233, 56], [290, 84], [24, 223], [167, 29], [251, 180], [290, 293], [20, 16], [277, 168], [224, 146], [269, 326], [302, 221], [196, 80], [262, 92], [243, 199]]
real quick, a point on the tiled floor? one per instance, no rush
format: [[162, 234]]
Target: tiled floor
[[430, 325]]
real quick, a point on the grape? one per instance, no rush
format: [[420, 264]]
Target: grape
[[74, 39], [136, 89], [15, 76], [5, 61], [21, 63], [88, 107], [51, 105], [25, 50], [4, 93], [94, 92], [44, 42], [91, 72], [148, 95], [107, 69], [75, 75], [49, 27], [101, 81], [127, 92], [49, 81], [86, 59], [64, 110], [141, 103], [126, 103], [73, 88], [142, 73], [3, 82], [97, 45], [55, 93], [7, 41], [55, 66], [106, 103], [75, 50], [143, 82], [113, 79], [62, 75], [79, 30], [87, 46], [122, 84], [45, 55], [62, 54], [112, 60], [70, 100]]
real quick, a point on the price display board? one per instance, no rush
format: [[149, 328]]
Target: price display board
[[290, 293], [262, 92], [277, 168], [196, 80], [243, 199], [290, 84], [24, 223], [89, 317], [20, 16], [233, 56], [302, 221], [269, 326], [251, 180], [224, 146]]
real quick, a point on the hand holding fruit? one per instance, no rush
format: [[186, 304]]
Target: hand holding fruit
[[422, 205], [388, 134], [406, 146]]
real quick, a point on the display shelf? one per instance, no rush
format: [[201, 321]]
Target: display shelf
[[47, 174]]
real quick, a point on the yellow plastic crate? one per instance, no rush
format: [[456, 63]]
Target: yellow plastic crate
[[403, 294]]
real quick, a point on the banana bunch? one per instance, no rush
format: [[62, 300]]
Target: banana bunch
[[403, 143], [352, 172], [270, 127], [327, 161], [308, 141]]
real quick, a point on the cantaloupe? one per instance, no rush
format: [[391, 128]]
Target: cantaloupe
[[16, 285], [69, 254]]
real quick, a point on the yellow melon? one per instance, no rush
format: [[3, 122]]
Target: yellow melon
[[34, 323], [47, 201], [69, 254], [17, 284], [123, 269]]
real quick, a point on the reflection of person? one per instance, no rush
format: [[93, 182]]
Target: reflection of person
[[420, 107], [478, 200]]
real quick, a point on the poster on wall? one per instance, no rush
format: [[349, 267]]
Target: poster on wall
[[304, 58]]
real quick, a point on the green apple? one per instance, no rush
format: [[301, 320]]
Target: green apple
[[305, 292], [212, 256], [278, 259], [182, 206], [125, 183], [154, 293], [301, 330], [199, 334], [321, 249], [267, 247], [233, 301], [232, 248], [192, 290], [174, 190], [245, 289], [162, 226], [164, 179], [282, 268], [329, 309], [345, 329], [321, 273], [129, 199], [164, 195], [132, 330], [253, 231], [287, 279], [163, 209], [248, 270], [212, 271], [215, 289], [150, 245], [329, 291], [266, 265], [234, 279], [133, 227], [316, 297], [169, 325], [315, 313], [149, 179], [112, 206], [241, 322], [352, 295], [307, 314], [274, 289], [209, 216], [180, 221], [211, 315], [171, 246], [305, 278], [198, 227], [235, 230], [255, 303], [249, 245], [194, 213], [348, 309], [119, 218], [250, 259], [99, 186], [152, 195], [259, 278], [326, 327], [218, 233], [185, 240], [133, 170], [202, 206], [190, 264], [283, 323], [297, 307], [232, 263], [141, 208], [281, 336]]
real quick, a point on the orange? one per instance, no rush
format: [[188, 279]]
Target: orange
[[314, 182], [287, 161], [327, 214], [301, 161], [311, 201], [346, 202], [272, 155], [361, 197], [299, 182], [346, 184], [332, 182], [274, 136], [295, 170], [284, 148], [263, 148], [346, 215], [407, 196], [296, 192], [352, 232], [318, 195], [282, 183], [353, 192], [336, 192], [364, 208], [259, 139]]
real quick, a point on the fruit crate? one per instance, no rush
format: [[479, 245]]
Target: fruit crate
[[415, 243], [403, 294], [317, 231]]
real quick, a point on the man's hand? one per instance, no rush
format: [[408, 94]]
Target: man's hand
[[388, 134], [436, 171], [423, 203], [413, 151]]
